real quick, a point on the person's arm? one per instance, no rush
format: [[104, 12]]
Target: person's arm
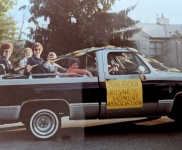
[[5, 63], [8, 67], [21, 64], [61, 69], [113, 68], [28, 67], [82, 71], [88, 73]]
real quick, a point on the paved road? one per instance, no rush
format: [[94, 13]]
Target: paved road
[[159, 134]]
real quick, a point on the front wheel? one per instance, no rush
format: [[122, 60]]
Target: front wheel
[[44, 124]]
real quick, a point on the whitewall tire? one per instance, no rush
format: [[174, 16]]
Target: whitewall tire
[[44, 124]]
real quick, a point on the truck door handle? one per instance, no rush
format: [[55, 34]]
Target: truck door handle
[[110, 78]]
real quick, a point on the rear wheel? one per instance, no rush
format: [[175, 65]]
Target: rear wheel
[[44, 124]]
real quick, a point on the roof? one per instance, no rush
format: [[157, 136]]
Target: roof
[[154, 30]]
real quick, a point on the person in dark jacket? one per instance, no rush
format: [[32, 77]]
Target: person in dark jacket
[[36, 60], [6, 51]]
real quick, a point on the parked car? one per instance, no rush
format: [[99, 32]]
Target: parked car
[[124, 84]]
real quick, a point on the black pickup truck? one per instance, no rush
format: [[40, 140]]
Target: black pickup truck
[[134, 88]]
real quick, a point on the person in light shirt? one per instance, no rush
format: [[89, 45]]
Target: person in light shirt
[[23, 62], [52, 66]]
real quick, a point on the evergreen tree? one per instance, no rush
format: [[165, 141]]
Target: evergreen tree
[[76, 24], [8, 29]]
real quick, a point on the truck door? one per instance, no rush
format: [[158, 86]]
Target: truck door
[[126, 94]]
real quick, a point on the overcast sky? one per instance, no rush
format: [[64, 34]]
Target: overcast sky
[[147, 10]]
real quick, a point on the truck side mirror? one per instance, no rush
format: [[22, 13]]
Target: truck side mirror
[[141, 71]]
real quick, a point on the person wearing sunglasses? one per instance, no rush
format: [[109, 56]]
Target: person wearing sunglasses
[[6, 51], [35, 59]]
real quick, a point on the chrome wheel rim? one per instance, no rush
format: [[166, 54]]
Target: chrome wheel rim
[[44, 123]]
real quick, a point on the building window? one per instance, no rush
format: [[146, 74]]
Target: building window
[[156, 48]]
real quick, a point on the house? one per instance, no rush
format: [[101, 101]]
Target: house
[[161, 40]]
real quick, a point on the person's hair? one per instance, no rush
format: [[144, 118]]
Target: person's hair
[[52, 53], [37, 45], [27, 49], [6, 46], [73, 60]]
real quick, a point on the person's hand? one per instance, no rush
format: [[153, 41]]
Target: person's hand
[[114, 68], [115, 65], [29, 68], [57, 73], [89, 74]]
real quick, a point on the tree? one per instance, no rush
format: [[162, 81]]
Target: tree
[[124, 28], [6, 5], [8, 29], [7, 24], [23, 20], [76, 24]]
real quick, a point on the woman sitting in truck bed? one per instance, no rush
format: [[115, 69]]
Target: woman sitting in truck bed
[[73, 70], [35, 64], [6, 51]]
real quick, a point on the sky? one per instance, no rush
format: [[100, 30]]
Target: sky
[[146, 11]]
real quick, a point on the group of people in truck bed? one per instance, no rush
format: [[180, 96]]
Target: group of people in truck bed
[[32, 63]]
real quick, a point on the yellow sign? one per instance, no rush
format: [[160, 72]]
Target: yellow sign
[[124, 93]]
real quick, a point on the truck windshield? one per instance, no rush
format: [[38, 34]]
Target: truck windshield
[[158, 66]]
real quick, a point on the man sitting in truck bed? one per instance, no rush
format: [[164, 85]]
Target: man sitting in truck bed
[[73, 68]]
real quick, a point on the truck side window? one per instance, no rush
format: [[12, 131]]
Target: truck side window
[[88, 62], [122, 63]]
